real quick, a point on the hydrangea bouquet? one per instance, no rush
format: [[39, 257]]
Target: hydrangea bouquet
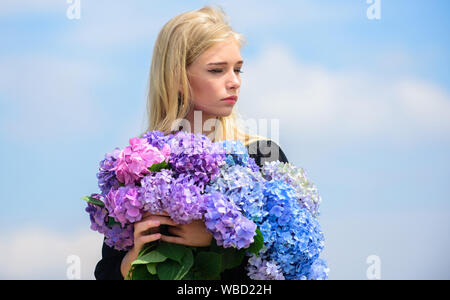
[[269, 214]]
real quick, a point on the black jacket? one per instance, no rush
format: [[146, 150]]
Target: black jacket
[[108, 268]]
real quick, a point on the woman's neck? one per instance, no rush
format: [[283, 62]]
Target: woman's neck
[[202, 123]]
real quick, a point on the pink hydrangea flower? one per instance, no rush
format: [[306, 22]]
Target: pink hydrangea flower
[[134, 160]]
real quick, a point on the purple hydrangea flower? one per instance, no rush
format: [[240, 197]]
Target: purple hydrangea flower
[[117, 237], [243, 187], [252, 165], [98, 215], [155, 189], [106, 176], [227, 224], [157, 138], [185, 203], [197, 156], [124, 204]]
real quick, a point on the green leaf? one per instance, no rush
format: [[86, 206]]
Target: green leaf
[[173, 251], [158, 167], [208, 265], [186, 264], [112, 222], [153, 257], [140, 272], [168, 270], [151, 268], [232, 258], [258, 243], [93, 200], [147, 248], [189, 275]]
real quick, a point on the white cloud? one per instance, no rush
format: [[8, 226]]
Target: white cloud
[[33, 253], [46, 97], [411, 245], [106, 24], [317, 103], [425, 103], [112, 24], [252, 15]]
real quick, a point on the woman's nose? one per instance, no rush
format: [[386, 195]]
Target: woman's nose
[[233, 81]]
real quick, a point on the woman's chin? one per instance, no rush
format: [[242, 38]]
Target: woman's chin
[[226, 112]]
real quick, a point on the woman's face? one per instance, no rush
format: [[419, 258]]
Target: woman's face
[[215, 75]]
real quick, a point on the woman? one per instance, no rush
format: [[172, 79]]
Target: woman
[[194, 84]]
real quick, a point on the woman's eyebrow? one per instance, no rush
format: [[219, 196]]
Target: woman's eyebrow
[[224, 63]]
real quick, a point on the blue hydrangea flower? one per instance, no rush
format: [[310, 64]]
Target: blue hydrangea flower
[[306, 191], [243, 187], [319, 270], [292, 236], [259, 268]]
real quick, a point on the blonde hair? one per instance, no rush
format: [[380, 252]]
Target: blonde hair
[[180, 42]]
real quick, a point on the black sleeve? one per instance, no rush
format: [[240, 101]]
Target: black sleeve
[[266, 151], [108, 268]]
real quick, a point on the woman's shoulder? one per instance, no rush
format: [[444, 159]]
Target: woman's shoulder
[[266, 151]]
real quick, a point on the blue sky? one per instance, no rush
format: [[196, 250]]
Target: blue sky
[[363, 106]]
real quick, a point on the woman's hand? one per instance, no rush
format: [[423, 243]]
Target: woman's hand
[[148, 229], [192, 234], [145, 231]]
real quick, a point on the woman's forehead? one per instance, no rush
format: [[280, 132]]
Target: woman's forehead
[[228, 52]]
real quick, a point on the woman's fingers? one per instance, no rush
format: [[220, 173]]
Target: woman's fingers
[[162, 218], [152, 222], [150, 238], [175, 230], [148, 214], [172, 239], [165, 220], [142, 226]]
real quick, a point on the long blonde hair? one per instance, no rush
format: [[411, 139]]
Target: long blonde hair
[[180, 42]]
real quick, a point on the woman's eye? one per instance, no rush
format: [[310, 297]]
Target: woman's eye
[[220, 71]]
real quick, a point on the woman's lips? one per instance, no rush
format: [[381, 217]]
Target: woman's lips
[[230, 100]]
